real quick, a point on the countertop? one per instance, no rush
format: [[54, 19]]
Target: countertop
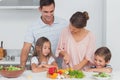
[[29, 75]]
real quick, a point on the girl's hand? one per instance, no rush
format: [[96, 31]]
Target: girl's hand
[[40, 65], [45, 65], [45, 69]]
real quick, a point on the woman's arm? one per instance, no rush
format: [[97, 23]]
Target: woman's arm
[[81, 65]]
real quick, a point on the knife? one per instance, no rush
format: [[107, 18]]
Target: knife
[[1, 44], [68, 65]]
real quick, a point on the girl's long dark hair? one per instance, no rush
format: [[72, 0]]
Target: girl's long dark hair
[[40, 42]]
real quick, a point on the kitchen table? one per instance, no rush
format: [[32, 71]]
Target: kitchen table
[[29, 75]]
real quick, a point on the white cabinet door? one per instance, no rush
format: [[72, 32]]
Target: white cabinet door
[[19, 3]]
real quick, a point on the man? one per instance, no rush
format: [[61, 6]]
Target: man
[[48, 26]]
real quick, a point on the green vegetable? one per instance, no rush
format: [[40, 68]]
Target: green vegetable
[[12, 68], [76, 74], [1, 67], [102, 74]]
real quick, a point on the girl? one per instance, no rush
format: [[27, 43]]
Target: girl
[[42, 58]]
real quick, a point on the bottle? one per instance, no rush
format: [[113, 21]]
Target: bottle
[[1, 51]]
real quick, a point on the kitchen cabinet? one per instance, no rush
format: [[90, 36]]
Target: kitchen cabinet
[[19, 4]]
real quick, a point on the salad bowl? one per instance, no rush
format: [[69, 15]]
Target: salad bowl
[[11, 71]]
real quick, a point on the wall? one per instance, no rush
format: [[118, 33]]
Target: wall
[[13, 22], [113, 31]]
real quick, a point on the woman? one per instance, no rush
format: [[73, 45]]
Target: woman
[[76, 44]]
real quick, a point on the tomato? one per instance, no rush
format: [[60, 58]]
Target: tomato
[[52, 70], [60, 72]]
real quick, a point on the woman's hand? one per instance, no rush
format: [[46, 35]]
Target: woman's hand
[[76, 67], [66, 58], [81, 64]]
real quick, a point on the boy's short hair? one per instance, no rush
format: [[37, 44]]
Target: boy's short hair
[[104, 52]]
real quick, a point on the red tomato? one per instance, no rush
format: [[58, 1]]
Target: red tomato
[[60, 72], [52, 70]]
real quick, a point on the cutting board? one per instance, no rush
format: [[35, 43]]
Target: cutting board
[[1, 51]]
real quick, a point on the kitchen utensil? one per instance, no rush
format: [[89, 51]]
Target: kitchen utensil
[[7, 58], [1, 51], [12, 58], [1, 44], [68, 65]]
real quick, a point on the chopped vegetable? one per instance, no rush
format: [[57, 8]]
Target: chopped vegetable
[[76, 74], [102, 74], [52, 70], [64, 73], [1, 67], [12, 68]]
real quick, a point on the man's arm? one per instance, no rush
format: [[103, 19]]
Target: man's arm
[[24, 53]]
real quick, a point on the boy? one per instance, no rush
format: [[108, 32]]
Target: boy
[[102, 57]]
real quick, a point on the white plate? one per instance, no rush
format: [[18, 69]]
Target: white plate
[[102, 78]]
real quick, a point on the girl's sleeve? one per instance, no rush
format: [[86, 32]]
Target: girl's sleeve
[[34, 60], [51, 59]]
